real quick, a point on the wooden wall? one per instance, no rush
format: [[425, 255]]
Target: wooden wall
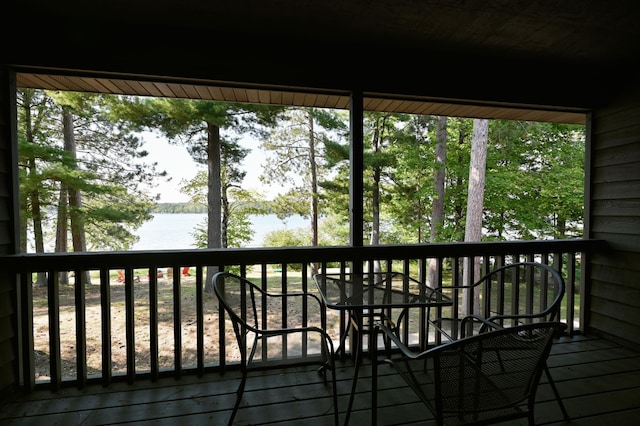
[[7, 232], [615, 217]]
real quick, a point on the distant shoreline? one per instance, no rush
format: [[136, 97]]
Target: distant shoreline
[[176, 208]]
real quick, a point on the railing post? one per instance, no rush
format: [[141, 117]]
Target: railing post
[[55, 362]]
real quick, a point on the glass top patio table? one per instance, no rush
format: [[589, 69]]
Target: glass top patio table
[[372, 296], [378, 290]]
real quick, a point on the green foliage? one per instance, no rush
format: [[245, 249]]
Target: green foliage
[[334, 231], [528, 165], [287, 238], [96, 161], [534, 184]]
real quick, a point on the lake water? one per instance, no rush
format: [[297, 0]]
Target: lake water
[[173, 231]]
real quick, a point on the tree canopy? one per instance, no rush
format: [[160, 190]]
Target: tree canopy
[[533, 188]]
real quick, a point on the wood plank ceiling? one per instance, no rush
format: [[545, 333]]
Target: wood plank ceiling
[[290, 97]]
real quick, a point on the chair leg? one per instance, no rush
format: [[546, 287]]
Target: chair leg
[[335, 397], [239, 393], [556, 393], [354, 383]]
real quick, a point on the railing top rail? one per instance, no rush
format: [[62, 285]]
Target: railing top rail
[[141, 259]]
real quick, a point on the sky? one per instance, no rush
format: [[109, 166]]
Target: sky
[[177, 162]]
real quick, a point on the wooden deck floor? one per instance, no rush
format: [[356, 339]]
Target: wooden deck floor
[[599, 382]]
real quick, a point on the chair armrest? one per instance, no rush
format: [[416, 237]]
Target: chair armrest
[[296, 294], [485, 322], [390, 333]]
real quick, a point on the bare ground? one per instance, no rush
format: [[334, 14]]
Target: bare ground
[[117, 341]]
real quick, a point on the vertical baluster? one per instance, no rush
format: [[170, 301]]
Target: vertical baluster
[[285, 315], [546, 280], [305, 308], [423, 331], [26, 330], [455, 310], [515, 290], [487, 288], [200, 319], [81, 331], [105, 311], [570, 294], [530, 284], [130, 324], [153, 323], [264, 285], [222, 339], [177, 324], [500, 299], [55, 362]]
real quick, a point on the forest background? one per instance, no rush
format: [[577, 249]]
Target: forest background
[[86, 183]]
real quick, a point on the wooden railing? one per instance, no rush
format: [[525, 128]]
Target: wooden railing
[[160, 322]]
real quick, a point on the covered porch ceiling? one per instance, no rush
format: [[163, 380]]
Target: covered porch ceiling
[[519, 59], [290, 96]]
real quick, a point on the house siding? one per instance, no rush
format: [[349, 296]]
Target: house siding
[[615, 216], [7, 232]]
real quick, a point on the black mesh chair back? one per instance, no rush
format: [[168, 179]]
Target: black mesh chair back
[[481, 379], [512, 294]]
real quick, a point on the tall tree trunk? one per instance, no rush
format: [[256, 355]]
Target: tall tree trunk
[[62, 229], [34, 197], [437, 211], [313, 169], [36, 214], [561, 228], [375, 195], [24, 223], [214, 202], [475, 203], [224, 223], [76, 217], [458, 207], [24, 195]]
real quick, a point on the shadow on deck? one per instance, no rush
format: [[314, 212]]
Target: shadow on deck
[[598, 380]]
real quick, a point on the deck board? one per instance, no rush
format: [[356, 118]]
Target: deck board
[[598, 380]]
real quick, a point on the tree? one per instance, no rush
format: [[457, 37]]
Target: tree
[[382, 133], [70, 197], [535, 180], [35, 127], [79, 152], [475, 203], [437, 215], [239, 205], [296, 157], [198, 124], [107, 179]]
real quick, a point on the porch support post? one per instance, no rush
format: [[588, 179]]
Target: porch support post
[[356, 156], [16, 332]]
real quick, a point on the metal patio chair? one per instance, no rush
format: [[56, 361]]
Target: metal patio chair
[[509, 295], [257, 319], [479, 379]]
